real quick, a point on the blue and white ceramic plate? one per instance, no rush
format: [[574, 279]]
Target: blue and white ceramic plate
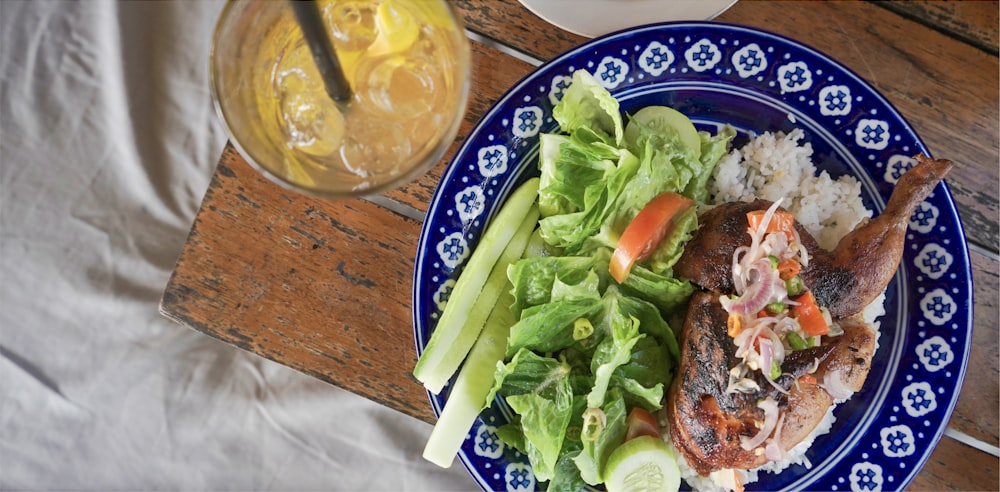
[[756, 81]]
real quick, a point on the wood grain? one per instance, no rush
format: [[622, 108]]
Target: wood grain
[[320, 286], [977, 412], [955, 466], [972, 22]]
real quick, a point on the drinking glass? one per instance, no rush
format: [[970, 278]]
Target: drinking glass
[[407, 63]]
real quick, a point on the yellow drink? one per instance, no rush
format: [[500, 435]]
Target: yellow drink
[[407, 62]]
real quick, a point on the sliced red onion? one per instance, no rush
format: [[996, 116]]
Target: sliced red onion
[[739, 383], [759, 290], [803, 254], [836, 387], [770, 408], [780, 288], [754, 251], [774, 451], [775, 245], [766, 355], [777, 347], [766, 220], [739, 284], [744, 341], [785, 325], [835, 330]]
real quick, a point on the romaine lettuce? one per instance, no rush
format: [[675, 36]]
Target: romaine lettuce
[[614, 350], [580, 193], [598, 447], [585, 349], [543, 422], [586, 104]]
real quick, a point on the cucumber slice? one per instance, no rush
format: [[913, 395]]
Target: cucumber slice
[[472, 297], [644, 463], [662, 118]]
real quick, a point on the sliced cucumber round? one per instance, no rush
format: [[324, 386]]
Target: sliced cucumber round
[[663, 118], [642, 464]]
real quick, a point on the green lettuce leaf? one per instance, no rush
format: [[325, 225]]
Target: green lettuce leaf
[[533, 278], [665, 292], [587, 288], [569, 173], [543, 423], [528, 372], [595, 452], [646, 375], [512, 435], [586, 104], [615, 349], [645, 315], [567, 476], [584, 172], [591, 204], [713, 147], [549, 327], [538, 389], [637, 395]]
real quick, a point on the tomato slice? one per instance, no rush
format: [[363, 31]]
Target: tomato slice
[[645, 232], [641, 423]]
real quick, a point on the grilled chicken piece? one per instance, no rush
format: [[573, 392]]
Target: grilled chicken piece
[[847, 367], [707, 422], [707, 260], [844, 280], [864, 261]]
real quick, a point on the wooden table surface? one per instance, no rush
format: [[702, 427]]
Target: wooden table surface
[[325, 286]]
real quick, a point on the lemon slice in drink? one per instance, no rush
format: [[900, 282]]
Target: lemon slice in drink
[[397, 29]]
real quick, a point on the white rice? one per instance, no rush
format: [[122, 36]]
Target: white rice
[[773, 166]]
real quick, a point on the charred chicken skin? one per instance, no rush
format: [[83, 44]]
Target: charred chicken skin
[[715, 427]]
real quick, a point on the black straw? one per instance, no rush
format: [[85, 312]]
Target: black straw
[[311, 21]]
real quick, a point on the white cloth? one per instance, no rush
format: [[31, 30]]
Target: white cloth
[[107, 144]]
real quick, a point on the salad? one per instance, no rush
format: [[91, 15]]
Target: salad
[[569, 306]]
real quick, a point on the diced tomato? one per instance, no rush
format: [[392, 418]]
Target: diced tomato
[[641, 423], [645, 232], [788, 268], [809, 315], [781, 221], [807, 379]]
